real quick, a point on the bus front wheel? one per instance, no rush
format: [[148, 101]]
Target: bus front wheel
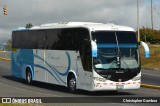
[[28, 77], [72, 84]]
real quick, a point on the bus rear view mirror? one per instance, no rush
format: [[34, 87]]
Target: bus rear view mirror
[[94, 49], [146, 48]]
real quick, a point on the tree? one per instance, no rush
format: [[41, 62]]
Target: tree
[[29, 25], [149, 35], [8, 46]]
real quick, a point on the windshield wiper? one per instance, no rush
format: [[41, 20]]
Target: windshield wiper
[[118, 50]]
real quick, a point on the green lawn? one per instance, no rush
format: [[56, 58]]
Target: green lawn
[[154, 61]]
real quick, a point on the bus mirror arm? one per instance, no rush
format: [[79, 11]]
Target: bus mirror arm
[[146, 48]]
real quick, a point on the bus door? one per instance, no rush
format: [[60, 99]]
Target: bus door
[[39, 60], [87, 65], [79, 71], [88, 68]]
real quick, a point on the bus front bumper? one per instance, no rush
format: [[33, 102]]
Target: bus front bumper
[[116, 86]]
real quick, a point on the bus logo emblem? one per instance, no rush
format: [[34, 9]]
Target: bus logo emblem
[[119, 80]]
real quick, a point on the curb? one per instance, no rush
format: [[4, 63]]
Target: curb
[[5, 59], [150, 86]]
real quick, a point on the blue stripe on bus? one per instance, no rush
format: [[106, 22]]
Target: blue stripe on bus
[[39, 66], [55, 70], [68, 68], [115, 45], [50, 68], [19, 59]]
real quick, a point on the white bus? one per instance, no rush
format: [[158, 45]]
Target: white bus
[[78, 55]]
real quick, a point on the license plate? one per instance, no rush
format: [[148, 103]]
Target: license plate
[[119, 87]]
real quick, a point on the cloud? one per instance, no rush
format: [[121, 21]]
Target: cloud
[[37, 12]]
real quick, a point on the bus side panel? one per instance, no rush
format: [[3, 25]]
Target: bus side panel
[[51, 66], [14, 63], [56, 64], [39, 65], [59, 64], [21, 58]]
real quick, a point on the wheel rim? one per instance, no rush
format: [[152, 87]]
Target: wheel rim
[[72, 84]]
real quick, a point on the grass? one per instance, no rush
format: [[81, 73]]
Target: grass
[[154, 61]]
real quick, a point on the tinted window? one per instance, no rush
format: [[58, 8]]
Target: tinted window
[[56, 39], [123, 37], [66, 39], [71, 39], [24, 39], [41, 38], [126, 37]]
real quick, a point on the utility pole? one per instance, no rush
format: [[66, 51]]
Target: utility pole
[[152, 14], [138, 21]]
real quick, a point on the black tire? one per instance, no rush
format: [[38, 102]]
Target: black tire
[[72, 84], [28, 77]]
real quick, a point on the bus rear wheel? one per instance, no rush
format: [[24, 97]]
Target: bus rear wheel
[[28, 77], [72, 84]]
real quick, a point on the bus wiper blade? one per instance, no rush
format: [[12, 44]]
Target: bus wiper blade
[[108, 56], [118, 50]]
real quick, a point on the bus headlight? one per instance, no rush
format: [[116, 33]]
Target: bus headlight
[[136, 78], [99, 79]]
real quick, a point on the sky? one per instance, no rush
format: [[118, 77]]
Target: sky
[[37, 12]]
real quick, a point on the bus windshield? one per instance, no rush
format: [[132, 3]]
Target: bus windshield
[[116, 50]]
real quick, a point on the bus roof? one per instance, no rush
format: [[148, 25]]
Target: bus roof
[[89, 25]]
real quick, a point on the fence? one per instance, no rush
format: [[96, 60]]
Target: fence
[[4, 54]]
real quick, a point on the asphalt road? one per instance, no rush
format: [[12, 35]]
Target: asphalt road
[[151, 77], [13, 87]]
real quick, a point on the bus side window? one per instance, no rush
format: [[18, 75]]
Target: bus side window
[[41, 40]]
